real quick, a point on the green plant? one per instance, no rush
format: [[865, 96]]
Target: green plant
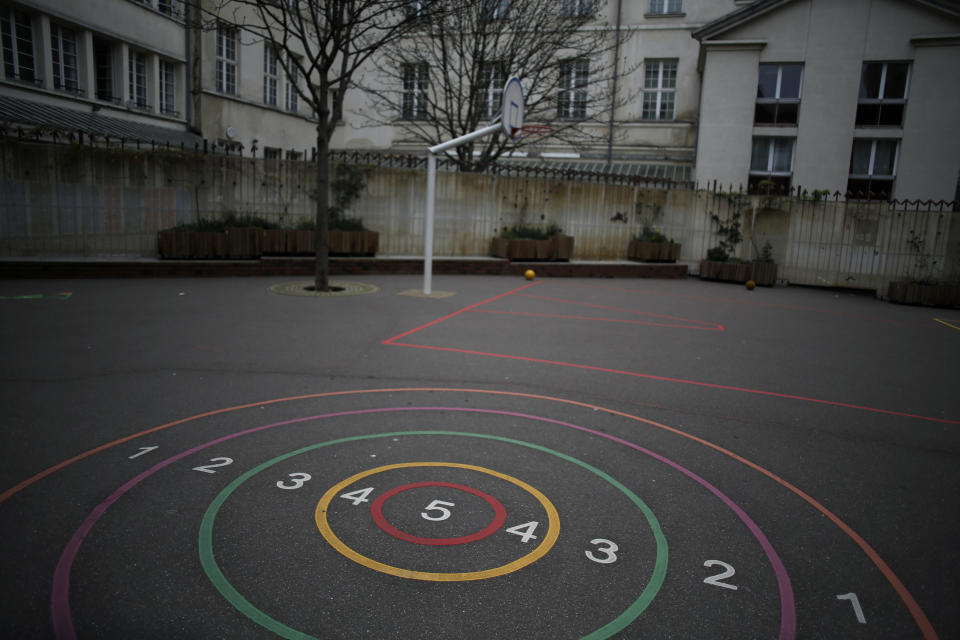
[[650, 235], [530, 232], [766, 253], [729, 231], [347, 185], [922, 268], [231, 220]]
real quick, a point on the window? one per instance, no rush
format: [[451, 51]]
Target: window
[[493, 76], [572, 99], [666, 7], [137, 78], [226, 59], [415, 79], [659, 89], [103, 69], [63, 51], [166, 7], [495, 9], [269, 75], [292, 95], [873, 166], [576, 8], [168, 87], [771, 162], [778, 94], [18, 62], [883, 94]]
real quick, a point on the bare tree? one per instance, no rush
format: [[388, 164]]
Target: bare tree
[[446, 78], [323, 42]]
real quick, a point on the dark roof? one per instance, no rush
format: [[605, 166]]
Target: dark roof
[[760, 7], [16, 111]]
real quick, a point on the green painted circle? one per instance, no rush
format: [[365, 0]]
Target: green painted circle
[[243, 605]]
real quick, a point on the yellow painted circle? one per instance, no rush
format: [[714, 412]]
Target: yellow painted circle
[[553, 529]]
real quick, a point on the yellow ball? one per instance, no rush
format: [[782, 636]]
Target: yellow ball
[[529, 275], [751, 284]]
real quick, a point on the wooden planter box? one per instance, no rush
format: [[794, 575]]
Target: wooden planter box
[[179, 244], [927, 295], [354, 243], [653, 251], [243, 243], [557, 247], [273, 242], [762, 273]]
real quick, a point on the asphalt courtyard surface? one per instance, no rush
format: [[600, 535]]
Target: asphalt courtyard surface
[[562, 458]]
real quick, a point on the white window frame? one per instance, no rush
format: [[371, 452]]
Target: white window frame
[[577, 8], [271, 77], [12, 46], [871, 175], [880, 100], [137, 79], [291, 100], [777, 99], [572, 96], [416, 81], [659, 91], [227, 59], [665, 7], [769, 171], [66, 72], [493, 77], [168, 87]]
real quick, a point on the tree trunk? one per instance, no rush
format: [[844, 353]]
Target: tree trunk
[[321, 278]]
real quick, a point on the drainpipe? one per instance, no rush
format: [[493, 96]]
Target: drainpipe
[[188, 78], [613, 99]]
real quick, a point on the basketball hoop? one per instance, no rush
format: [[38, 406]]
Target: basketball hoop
[[533, 131]]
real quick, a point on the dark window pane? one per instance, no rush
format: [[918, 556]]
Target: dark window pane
[[891, 115], [885, 157], [860, 158], [760, 156], [787, 113], [765, 113], [868, 115], [790, 80], [896, 85], [870, 80], [767, 86]]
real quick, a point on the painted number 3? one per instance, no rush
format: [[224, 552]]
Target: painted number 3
[[297, 480], [606, 548]]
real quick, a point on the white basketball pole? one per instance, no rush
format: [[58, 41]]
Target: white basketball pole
[[431, 197]]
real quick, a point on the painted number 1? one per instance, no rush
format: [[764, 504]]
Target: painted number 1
[[857, 610]]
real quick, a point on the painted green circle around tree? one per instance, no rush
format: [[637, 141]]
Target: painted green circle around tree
[[239, 602]]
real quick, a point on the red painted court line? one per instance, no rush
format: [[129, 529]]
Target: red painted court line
[[649, 376], [710, 385], [597, 319], [620, 309], [770, 305]]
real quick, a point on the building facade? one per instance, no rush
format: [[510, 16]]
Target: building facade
[[835, 96], [855, 97]]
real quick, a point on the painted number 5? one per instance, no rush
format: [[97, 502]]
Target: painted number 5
[[605, 547], [444, 513]]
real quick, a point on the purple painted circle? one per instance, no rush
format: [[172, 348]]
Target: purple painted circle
[[60, 595]]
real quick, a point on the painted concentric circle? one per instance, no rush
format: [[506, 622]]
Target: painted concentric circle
[[553, 531], [499, 515]]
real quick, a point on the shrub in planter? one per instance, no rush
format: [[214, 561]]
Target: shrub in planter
[[523, 243], [653, 246]]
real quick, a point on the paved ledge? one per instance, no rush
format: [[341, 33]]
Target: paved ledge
[[109, 267]]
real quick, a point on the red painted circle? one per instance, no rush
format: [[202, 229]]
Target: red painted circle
[[376, 510]]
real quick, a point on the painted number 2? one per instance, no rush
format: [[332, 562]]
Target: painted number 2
[[717, 580], [606, 548], [217, 462]]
